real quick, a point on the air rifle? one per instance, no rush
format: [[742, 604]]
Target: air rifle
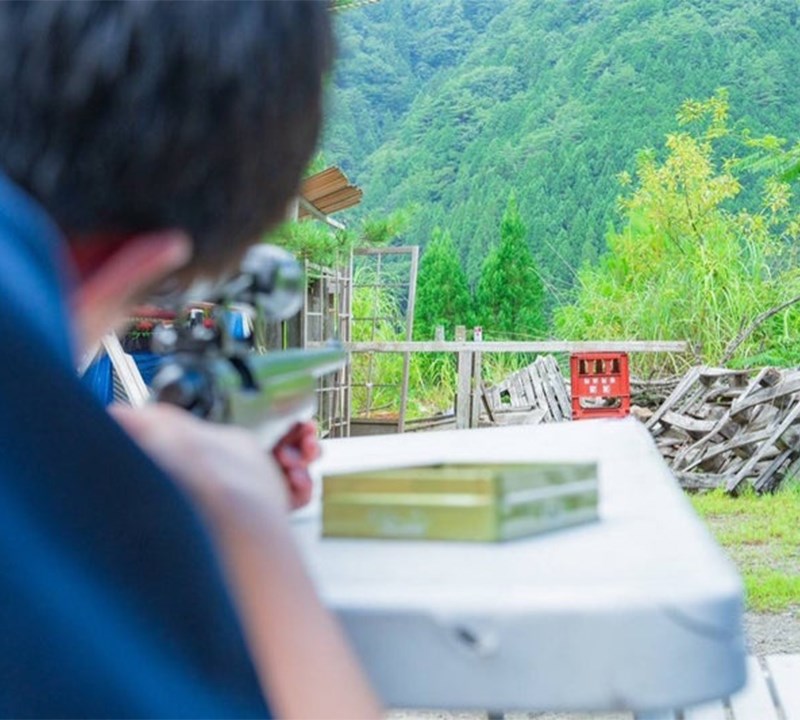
[[209, 370]]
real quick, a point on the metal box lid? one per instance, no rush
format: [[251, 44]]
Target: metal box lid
[[459, 502]]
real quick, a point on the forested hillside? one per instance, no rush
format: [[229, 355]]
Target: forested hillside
[[451, 105]]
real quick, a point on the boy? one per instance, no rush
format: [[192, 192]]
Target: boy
[[141, 145]]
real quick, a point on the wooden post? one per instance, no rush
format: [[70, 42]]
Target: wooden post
[[271, 334], [438, 333], [464, 382], [293, 210], [412, 294], [347, 336], [475, 392], [371, 357], [293, 331]]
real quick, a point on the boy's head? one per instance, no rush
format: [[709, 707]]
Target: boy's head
[[130, 118]]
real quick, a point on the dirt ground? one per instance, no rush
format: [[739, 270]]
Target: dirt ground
[[767, 634]]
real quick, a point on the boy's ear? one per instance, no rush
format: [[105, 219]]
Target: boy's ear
[[102, 300]]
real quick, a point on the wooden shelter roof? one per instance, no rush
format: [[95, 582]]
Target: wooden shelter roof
[[329, 192]]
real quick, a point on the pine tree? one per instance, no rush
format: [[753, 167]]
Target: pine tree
[[443, 296], [510, 292]]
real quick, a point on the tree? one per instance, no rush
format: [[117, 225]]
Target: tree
[[510, 291], [684, 266], [321, 244], [443, 296], [556, 98]]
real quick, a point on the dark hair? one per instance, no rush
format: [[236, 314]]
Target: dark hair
[[133, 116]]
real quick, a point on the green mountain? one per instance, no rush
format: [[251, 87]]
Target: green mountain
[[449, 105]]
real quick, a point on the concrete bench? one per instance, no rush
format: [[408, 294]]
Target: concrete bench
[[639, 611]]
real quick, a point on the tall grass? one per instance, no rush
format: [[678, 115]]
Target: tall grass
[[377, 377], [685, 266]]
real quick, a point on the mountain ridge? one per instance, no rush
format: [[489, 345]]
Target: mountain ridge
[[451, 106]]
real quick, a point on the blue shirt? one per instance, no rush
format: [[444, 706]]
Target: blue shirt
[[111, 600]]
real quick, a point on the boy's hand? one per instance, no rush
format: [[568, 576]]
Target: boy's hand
[[294, 453]]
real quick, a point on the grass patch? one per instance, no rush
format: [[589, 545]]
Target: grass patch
[[771, 590], [761, 533]]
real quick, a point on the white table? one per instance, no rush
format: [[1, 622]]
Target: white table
[[639, 611]]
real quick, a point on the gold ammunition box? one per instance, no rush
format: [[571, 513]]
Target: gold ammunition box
[[459, 502]]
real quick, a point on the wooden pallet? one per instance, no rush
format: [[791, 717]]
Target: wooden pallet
[[538, 389], [720, 428]]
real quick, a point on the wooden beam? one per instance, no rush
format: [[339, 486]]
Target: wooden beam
[[475, 392], [412, 294], [464, 381], [699, 481], [312, 210], [546, 346], [127, 371], [689, 424], [397, 250]]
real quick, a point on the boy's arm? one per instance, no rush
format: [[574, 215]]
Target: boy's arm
[[300, 653]]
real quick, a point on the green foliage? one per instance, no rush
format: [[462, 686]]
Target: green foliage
[[510, 293], [377, 377], [314, 241], [770, 155], [318, 243], [443, 296], [447, 106], [450, 105], [318, 163], [378, 230], [685, 266], [434, 379]]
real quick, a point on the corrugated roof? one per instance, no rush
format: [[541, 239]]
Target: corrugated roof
[[329, 192]]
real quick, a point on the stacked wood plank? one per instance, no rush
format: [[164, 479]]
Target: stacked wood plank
[[537, 393], [725, 428], [651, 393]]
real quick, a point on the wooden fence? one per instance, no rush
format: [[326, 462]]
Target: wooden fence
[[470, 355]]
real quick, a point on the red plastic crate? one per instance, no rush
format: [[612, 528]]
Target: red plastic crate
[[601, 385]]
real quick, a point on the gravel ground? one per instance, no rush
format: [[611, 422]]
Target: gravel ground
[[767, 634], [770, 633]]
